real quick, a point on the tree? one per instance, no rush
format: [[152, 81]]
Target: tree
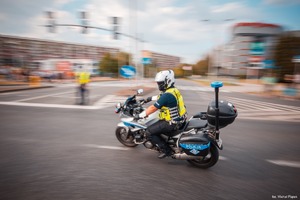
[[201, 67], [110, 64], [180, 72], [124, 58], [287, 47]]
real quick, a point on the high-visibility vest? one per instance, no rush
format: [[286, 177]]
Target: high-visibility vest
[[83, 77], [175, 113]]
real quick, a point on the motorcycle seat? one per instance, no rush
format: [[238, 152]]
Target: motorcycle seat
[[195, 123]]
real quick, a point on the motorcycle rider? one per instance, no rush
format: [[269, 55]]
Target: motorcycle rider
[[172, 111]]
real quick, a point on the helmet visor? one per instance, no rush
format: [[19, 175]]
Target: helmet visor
[[161, 85]]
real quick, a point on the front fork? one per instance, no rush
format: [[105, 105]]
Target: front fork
[[138, 138]]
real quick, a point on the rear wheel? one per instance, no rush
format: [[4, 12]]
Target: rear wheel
[[208, 161], [125, 137]]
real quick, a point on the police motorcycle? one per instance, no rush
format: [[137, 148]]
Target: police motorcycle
[[197, 141]]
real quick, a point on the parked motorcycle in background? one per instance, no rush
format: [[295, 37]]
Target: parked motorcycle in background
[[197, 141]]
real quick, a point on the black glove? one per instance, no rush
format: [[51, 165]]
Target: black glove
[[142, 101], [136, 117], [148, 99]]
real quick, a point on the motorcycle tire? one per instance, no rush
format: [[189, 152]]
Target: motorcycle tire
[[208, 161], [125, 138]]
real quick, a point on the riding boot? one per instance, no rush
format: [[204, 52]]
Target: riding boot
[[165, 151]]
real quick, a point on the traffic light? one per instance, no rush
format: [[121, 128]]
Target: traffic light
[[115, 28], [51, 21], [84, 22]]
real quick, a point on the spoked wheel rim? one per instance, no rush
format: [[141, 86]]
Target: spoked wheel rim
[[124, 137], [208, 161]]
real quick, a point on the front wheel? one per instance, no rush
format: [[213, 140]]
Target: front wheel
[[208, 161], [125, 137]]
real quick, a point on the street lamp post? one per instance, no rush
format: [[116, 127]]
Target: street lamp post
[[218, 52]]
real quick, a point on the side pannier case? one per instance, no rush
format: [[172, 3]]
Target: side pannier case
[[194, 144], [227, 113]]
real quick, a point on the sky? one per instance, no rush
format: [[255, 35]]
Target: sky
[[185, 28]]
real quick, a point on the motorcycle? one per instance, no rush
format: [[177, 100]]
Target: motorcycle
[[197, 141]]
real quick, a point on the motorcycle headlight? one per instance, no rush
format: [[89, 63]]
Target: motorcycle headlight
[[118, 105]]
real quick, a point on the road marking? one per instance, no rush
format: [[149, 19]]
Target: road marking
[[267, 105], [285, 163], [43, 96], [48, 105], [105, 147], [124, 148], [198, 88], [222, 158], [106, 101], [247, 109], [8, 93]]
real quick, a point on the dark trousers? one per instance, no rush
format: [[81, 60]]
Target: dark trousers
[[82, 92], [158, 128]]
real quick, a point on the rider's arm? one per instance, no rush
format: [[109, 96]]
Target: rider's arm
[[158, 104], [151, 109]]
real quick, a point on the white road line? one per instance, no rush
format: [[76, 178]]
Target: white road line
[[8, 93], [43, 96], [105, 147], [285, 163], [106, 101], [49, 105], [266, 104], [125, 148], [222, 158], [196, 88]]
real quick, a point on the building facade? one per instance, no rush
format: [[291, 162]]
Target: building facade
[[251, 45], [29, 52], [161, 60]]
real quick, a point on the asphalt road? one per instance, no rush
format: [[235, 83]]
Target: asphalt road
[[66, 151]]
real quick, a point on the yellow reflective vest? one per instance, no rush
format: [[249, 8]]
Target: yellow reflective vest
[[83, 77], [176, 113]]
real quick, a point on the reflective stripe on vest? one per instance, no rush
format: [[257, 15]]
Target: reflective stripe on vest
[[174, 113]]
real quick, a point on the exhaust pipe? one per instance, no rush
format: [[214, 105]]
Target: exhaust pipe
[[184, 156]]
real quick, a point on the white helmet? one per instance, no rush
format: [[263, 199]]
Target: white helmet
[[165, 79]]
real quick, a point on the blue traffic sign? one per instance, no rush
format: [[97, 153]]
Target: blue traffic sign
[[127, 71], [146, 61]]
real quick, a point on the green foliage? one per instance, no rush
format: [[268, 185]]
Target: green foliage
[[178, 71], [287, 47], [111, 64], [150, 70], [201, 67]]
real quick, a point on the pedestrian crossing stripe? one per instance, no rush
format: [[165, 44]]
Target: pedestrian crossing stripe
[[247, 109], [198, 88], [253, 106]]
